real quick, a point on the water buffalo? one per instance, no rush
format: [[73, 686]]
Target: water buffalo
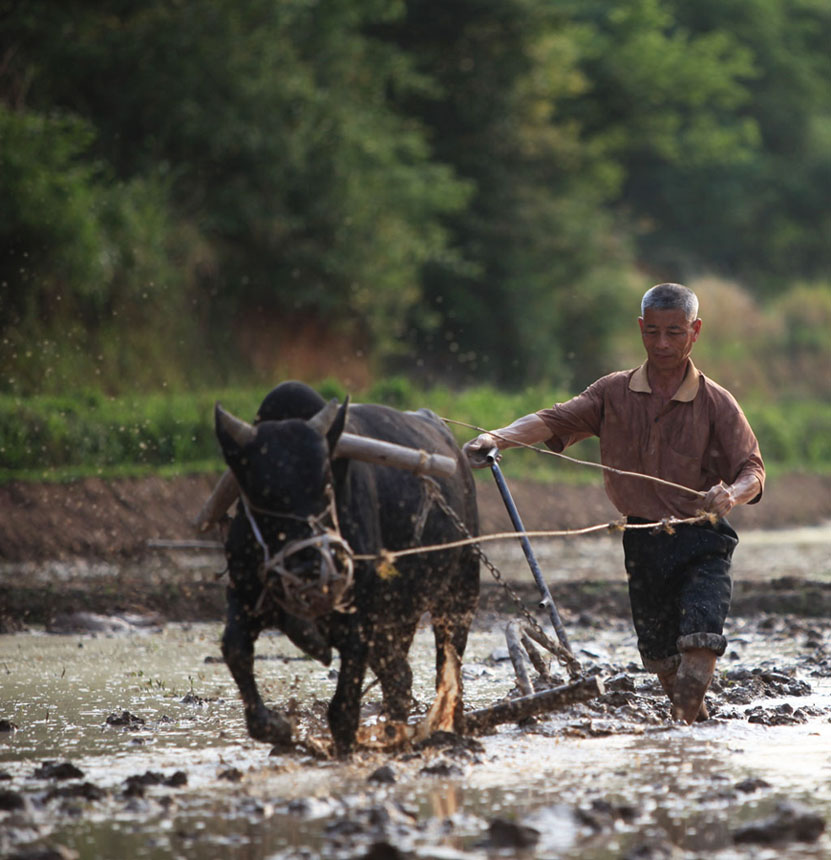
[[304, 512]]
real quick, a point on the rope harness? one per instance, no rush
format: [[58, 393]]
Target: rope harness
[[307, 586]]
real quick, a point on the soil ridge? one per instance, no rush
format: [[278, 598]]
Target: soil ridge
[[94, 518]]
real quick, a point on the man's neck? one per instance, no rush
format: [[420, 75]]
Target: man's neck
[[666, 383]]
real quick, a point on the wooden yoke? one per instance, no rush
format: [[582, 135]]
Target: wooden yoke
[[348, 445], [389, 454]]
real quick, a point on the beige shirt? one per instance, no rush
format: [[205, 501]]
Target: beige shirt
[[698, 438]]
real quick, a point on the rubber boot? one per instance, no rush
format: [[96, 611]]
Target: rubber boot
[[691, 683], [667, 681]]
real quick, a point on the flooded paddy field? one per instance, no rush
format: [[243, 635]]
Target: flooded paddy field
[[128, 740]]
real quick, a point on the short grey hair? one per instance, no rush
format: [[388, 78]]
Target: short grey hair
[[671, 297]]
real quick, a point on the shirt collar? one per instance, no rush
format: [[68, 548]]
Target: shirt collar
[[687, 390]]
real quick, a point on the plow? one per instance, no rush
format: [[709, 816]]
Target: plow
[[527, 643]]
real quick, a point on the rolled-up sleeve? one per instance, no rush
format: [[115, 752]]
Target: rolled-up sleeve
[[736, 451], [575, 419]]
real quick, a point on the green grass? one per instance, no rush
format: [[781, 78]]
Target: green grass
[[62, 438]]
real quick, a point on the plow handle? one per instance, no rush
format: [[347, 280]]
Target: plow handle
[[547, 601]]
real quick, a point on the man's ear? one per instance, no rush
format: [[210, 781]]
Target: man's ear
[[696, 329]]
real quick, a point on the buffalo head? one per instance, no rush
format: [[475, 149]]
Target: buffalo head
[[282, 467]]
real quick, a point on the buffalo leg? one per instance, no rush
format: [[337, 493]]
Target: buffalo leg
[[391, 644], [238, 650], [451, 624], [451, 640], [345, 708]]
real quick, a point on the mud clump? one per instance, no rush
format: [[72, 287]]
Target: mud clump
[[503, 833], [134, 786], [741, 686], [125, 720], [83, 791], [383, 775], [59, 771], [11, 801], [791, 822]]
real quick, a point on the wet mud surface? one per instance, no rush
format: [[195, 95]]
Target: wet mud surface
[[122, 735], [130, 742]]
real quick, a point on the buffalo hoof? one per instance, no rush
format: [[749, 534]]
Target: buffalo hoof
[[270, 727]]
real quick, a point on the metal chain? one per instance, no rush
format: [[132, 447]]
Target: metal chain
[[569, 662]]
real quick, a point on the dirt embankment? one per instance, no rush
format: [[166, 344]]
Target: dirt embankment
[[84, 547], [96, 519]]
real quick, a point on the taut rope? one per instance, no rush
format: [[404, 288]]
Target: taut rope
[[623, 472], [667, 524]]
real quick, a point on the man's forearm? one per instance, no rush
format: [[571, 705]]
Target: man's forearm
[[527, 430], [722, 498], [745, 489]]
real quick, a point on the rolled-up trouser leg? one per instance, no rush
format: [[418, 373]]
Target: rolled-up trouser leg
[[679, 591]]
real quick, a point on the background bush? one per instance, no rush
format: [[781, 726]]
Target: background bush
[[56, 438]]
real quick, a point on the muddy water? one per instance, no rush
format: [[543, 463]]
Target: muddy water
[[762, 555], [173, 774]]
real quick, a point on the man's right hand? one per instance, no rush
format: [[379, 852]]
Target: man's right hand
[[477, 450]]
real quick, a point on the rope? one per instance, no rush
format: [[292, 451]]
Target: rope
[[565, 657], [515, 443], [305, 594], [667, 524]]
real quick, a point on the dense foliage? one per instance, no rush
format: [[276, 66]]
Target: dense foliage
[[462, 192], [57, 438]]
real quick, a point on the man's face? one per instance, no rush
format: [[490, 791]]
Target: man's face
[[668, 337]]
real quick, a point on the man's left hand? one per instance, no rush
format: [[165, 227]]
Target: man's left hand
[[720, 499]]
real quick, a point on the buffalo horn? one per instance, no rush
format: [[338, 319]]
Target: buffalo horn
[[240, 431], [224, 495], [322, 421], [390, 454]]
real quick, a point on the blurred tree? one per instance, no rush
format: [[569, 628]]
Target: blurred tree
[[720, 115], [773, 223], [461, 182], [271, 124], [88, 286], [565, 115], [541, 254]]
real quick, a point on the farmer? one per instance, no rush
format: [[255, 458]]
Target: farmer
[[664, 419]]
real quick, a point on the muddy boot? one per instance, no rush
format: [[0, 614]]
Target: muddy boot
[[691, 683], [667, 681]]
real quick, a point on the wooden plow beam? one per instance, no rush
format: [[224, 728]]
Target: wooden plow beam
[[532, 703], [514, 710], [521, 648]]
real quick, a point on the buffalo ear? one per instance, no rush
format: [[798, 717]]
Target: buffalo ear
[[330, 421], [233, 433]]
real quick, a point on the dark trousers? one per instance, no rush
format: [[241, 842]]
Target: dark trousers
[[679, 588]]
